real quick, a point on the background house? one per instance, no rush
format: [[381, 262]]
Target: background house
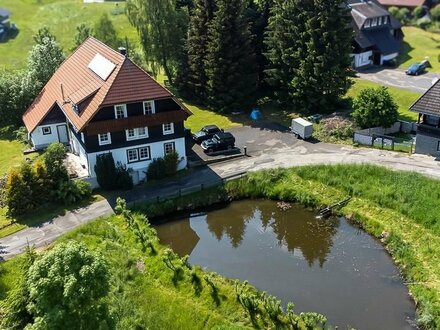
[[4, 23], [378, 35], [410, 4], [99, 101], [428, 131]]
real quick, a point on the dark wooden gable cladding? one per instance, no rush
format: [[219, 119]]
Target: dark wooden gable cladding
[[54, 116], [117, 125]]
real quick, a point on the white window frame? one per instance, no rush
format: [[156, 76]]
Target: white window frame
[[105, 142], [374, 21], [152, 106], [148, 151], [124, 108], [165, 148], [48, 130], [168, 131], [379, 20], [385, 20], [367, 23], [136, 135], [128, 155]]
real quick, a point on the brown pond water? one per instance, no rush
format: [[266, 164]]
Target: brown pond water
[[323, 265]]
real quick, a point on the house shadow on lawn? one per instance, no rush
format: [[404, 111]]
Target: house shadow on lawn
[[404, 54]]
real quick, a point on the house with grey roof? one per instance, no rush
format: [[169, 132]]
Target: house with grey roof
[[377, 34], [428, 130]]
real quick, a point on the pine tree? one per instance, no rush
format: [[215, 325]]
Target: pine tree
[[230, 62], [309, 44], [197, 48]]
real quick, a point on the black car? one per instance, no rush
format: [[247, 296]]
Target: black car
[[220, 141], [206, 133]]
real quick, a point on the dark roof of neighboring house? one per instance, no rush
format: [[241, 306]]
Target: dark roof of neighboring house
[[402, 3], [4, 12], [75, 83], [361, 11], [383, 40], [428, 103]]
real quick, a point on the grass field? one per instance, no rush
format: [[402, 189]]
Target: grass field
[[420, 45], [61, 17], [402, 97], [403, 205]]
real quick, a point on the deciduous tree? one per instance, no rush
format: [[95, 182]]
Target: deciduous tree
[[105, 31], [66, 289], [162, 26], [375, 107], [82, 33]]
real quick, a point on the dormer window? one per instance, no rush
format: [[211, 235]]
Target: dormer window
[[374, 21], [379, 21], [367, 23], [149, 108], [385, 20], [120, 111]]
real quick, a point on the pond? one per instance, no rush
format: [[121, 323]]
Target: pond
[[323, 265]]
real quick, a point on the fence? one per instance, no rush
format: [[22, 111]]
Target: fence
[[185, 191], [378, 137]]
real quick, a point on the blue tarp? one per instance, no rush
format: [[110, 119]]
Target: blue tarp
[[256, 114]]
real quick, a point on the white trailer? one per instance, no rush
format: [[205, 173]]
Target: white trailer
[[302, 128]]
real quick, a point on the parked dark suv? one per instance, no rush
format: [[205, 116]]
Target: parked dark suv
[[206, 133], [220, 141]]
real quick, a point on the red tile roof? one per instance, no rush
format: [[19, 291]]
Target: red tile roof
[[74, 82], [402, 3]]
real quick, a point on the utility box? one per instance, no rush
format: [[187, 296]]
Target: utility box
[[302, 128]]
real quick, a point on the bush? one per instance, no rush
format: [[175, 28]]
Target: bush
[[418, 12], [375, 107], [17, 194], [109, 175], [435, 13], [424, 23], [70, 192], [394, 11], [164, 167], [53, 158]]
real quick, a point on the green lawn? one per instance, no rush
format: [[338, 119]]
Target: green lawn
[[61, 17], [11, 154], [419, 45], [402, 97]]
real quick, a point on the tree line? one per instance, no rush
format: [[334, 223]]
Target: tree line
[[228, 53]]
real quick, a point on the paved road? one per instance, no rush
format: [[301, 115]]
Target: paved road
[[268, 148], [398, 78]]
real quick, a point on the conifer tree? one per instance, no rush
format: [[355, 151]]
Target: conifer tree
[[230, 61], [197, 48], [309, 44]]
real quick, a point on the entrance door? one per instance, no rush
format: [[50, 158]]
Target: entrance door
[[376, 58], [62, 134]]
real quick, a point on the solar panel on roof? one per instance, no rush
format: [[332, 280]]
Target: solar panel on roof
[[101, 66]]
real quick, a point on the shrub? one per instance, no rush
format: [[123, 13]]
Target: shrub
[[123, 178], [394, 11], [70, 192], [375, 107], [17, 194], [418, 12], [54, 162], [423, 23], [435, 13], [164, 167]]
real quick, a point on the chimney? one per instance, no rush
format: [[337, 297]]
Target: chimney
[[123, 50]]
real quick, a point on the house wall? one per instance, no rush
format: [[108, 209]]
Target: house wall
[[138, 169], [78, 149], [136, 109], [40, 140], [119, 139], [428, 145], [363, 59], [384, 58]]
